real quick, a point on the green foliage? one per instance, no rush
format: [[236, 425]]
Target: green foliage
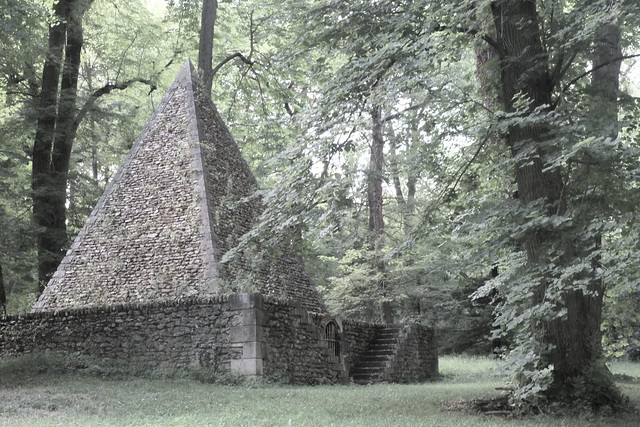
[[299, 108], [22, 46], [105, 134]]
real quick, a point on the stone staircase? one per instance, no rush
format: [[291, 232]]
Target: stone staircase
[[376, 360]]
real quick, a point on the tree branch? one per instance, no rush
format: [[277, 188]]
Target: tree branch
[[491, 42], [406, 110], [462, 170], [290, 111], [563, 70], [246, 59], [229, 58], [449, 187], [586, 73], [88, 105]]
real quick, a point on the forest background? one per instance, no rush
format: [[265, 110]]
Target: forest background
[[471, 165]]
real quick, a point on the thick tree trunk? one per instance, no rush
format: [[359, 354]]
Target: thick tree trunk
[[583, 323], [65, 124], [574, 338], [585, 311], [205, 47], [605, 80], [56, 130], [43, 209]]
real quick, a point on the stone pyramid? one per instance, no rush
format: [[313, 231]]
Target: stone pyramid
[[178, 203]]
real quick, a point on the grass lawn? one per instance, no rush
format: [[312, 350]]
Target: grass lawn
[[43, 391]]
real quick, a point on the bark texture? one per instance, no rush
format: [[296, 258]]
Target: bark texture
[[55, 131], [405, 204], [43, 211], [575, 339], [205, 46], [375, 201]]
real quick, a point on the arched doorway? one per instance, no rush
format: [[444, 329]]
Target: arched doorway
[[332, 335]]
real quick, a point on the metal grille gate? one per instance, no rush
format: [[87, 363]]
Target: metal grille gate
[[332, 335]]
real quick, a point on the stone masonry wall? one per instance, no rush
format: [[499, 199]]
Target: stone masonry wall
[[249, 334], [176, 334], [417, 356], [356, 337], [281, 339], [296, 348]]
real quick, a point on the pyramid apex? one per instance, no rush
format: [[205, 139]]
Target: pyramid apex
[[187, 69], [179, 202]]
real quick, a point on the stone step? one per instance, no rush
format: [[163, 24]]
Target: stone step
[[365, 378], [390, 340], [381, 351], [373, 363], [382, 345], [375, 358], [387, 334], [368, 369], [386, 338]]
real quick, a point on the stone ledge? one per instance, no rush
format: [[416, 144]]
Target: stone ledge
[[243, 301]]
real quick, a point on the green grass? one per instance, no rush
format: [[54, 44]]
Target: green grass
[[46, 391], [625, 370], [467, 368]]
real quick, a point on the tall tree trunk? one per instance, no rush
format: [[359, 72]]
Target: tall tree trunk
[[487, 70], [55, 132], [574, 338], [412, 181], [376, 219], [605, 80], [406, 204], [205, 47], [395, 173], [374, 179], [48, 258], [66, 126]]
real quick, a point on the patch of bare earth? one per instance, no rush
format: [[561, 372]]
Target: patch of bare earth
[[498, 406]]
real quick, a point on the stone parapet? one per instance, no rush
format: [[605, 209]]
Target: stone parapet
[[189, 333], [249, 334]]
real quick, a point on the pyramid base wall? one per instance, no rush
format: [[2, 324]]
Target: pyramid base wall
[[252, 335]]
